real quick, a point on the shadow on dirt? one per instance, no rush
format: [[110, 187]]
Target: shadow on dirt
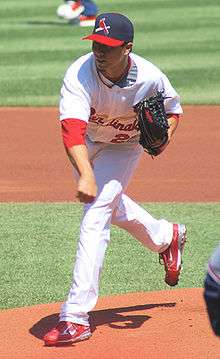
[[115, 318]]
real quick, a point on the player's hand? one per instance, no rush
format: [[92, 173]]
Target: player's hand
[[87, 189]]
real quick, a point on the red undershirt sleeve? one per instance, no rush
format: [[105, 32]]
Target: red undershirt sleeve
[[73, 132]]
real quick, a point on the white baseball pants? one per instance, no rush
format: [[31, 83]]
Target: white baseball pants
[[113, 168]]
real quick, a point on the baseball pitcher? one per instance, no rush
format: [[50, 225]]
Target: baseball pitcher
[[114, 106]]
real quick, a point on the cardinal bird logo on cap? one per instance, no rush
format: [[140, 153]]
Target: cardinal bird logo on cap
[[103, 27]]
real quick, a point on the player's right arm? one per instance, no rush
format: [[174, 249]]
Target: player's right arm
[[75, 108], [73, 132]]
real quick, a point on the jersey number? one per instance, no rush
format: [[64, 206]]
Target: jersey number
[[121, 137]]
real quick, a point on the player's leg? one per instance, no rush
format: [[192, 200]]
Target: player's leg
[[112, 169], [113, 166], [151, 232], [94, 236], [160, 236]]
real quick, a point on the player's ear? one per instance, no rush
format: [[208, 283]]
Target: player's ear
[[128, 48]]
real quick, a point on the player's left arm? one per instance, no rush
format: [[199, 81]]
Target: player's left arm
[[173, 121]]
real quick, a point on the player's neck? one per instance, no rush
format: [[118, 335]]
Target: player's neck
[[115, 74]]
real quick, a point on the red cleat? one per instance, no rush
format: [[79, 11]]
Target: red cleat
[[67, 332], [77, 9], [172, 256]]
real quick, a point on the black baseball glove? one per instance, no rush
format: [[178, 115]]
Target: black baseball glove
[[153, 124]]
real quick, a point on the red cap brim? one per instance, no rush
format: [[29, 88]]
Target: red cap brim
[[104, 40]]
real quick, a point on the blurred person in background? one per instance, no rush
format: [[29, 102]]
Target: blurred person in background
[[80, 12], [212, 290]]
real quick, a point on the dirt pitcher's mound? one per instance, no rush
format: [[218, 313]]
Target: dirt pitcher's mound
[[165, 324]]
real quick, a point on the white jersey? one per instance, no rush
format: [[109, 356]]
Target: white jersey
[[109, 108]]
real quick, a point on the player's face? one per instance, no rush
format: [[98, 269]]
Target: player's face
[[107, 57]]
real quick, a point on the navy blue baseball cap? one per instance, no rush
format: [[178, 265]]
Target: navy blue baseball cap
[[112, 29]]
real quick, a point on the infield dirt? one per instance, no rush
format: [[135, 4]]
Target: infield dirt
[[34, 165]]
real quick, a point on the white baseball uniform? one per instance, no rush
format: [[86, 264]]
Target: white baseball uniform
[[112, 141]]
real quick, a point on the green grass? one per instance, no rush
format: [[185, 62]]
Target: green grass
[[181, 37], [38, 243]]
